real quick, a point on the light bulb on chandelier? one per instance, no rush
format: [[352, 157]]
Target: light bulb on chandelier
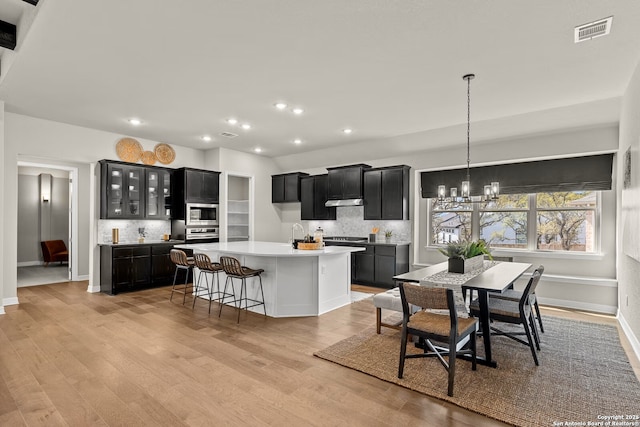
[[491, 191]]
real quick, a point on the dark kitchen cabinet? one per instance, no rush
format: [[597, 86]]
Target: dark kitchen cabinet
[[200, 186], [285, 188], [386, 193], [345, 182], [313, 196], [194, 186], [363, 266], [124, 268], [378, 263], [159, 193], [122, 195], [162, 268], [132, 267]]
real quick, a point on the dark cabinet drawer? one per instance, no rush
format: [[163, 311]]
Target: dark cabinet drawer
[[386, 250]]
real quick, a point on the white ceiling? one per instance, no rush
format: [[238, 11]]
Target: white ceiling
[[383, 67]]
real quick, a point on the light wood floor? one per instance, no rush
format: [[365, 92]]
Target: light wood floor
[[68, 357]]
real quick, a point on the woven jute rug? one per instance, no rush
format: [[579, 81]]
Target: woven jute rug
[[584, 375]]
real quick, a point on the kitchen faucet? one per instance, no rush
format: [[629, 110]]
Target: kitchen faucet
[[293, 229]]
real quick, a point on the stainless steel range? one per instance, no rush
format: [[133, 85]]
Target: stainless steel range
[[346, 239]]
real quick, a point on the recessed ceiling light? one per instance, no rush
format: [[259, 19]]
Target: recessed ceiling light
[[135, 121], [280, 105], [297, 111], [246, 126], [232, 121], [297, 141], [206, 138], [347, 131], [258, 150]]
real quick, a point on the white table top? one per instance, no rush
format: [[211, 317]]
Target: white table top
[[495, 278], [271, 249]]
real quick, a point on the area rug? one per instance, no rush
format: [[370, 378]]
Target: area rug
[[584, 375]]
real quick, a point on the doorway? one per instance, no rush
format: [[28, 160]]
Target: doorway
[[46, 198], [239, 215]]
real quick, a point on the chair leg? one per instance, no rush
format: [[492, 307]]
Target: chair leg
[[534, 330], [537, 307], [452, 364], [224, 293], [474, 357], [403, 352], [264, 305], [242, 287], [173, 288], [378, 319], [531, 343]]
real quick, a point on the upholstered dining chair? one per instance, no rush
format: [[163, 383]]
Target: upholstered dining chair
[[435, 326], [515, 312]]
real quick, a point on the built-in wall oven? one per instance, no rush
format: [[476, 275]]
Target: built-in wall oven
[[201, 214], [201, 234]]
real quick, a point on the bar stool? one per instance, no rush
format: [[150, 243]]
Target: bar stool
[[182, 262], [234, 270], [213, 269]]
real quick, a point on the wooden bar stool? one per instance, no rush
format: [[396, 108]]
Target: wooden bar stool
[[234, 270], [182, 262], [213, 269]]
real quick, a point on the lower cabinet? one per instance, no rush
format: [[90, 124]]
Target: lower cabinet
[[378, 263], [128, 268]]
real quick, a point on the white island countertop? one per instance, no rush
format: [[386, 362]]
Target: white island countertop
[[268, 249], [295, 282]]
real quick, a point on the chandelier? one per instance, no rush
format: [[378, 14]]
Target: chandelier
[[491, 191]]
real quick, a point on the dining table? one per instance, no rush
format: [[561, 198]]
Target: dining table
[[494, 276]]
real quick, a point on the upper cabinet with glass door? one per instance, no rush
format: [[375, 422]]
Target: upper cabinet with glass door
[[134, 192], [122, 196], [158, 205]]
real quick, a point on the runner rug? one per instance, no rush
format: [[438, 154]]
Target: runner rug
[[584, 377]]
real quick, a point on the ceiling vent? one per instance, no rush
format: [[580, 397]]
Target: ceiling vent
[[228, 134], [589, 31]]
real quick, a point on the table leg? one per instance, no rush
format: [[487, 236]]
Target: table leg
[[486, 329]]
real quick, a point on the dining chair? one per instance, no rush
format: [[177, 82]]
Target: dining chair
[[515, 312], [432, 326]]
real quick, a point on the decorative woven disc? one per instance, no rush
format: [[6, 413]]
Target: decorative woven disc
[[164, 153], [148, 158], [129, 150]]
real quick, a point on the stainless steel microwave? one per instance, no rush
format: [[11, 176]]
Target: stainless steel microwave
[[201, 214]]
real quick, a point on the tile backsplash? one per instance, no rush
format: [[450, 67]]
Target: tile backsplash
[[128, 229], [349, 222]]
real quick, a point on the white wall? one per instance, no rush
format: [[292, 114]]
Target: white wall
[[629, 203], [31, 139], [3, 204]]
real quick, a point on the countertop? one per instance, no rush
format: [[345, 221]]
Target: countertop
[[146, 242], [274, 249], [379, 242]]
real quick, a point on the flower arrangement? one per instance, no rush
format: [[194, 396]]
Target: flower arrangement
[[388, 234]]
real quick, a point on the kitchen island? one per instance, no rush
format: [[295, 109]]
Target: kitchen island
[[295, 282]]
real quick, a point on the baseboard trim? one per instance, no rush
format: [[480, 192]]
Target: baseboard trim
[[628, 332], [10, 301], [1, 310], [81, 278], [30, 263], [93, 289], [578, 305]]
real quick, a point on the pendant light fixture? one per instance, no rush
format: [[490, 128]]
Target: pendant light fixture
[[491, 191]]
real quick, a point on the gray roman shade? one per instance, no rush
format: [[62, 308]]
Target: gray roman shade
[[588, 173]]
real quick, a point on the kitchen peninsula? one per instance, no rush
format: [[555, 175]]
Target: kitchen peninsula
[[296, 282]]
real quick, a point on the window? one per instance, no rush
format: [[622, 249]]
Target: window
[[555, 221]]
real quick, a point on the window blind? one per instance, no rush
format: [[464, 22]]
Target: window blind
[[587, 173]]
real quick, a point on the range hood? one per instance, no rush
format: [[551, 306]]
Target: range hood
[[344, 202]]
